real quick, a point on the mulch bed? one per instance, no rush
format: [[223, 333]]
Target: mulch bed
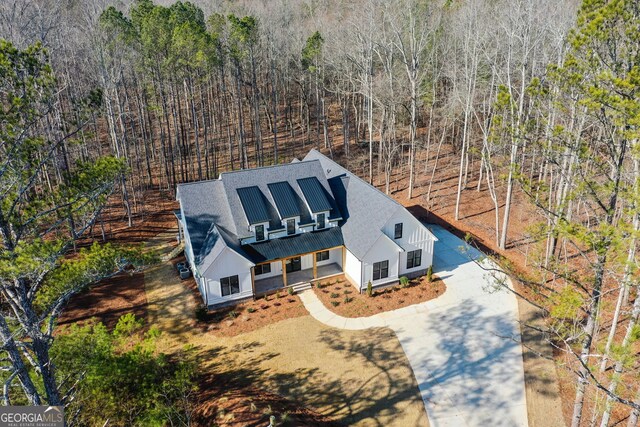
[[250, 315], [339, 296], [107, 301]]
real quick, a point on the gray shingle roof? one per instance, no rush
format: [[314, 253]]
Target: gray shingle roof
[[365, 209], [213, 210], [203, 204], [294, 245]]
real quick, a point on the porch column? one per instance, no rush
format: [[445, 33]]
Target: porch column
[[315, 266], [284, 273], [253, 281], [344, 257]]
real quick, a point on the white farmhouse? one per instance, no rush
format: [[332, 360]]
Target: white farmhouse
[[251, 232]]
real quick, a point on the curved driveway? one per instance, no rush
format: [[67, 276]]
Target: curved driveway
[[463, 346]]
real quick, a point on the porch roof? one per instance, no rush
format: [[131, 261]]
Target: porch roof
[[295, 245]]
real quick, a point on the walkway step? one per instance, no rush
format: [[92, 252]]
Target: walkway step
[[301, 287]]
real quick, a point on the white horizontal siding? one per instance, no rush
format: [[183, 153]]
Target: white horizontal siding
[[276, 270]]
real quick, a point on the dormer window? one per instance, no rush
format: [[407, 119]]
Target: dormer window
[[291, 227], [321, 221], [398, 231], [259, 233]]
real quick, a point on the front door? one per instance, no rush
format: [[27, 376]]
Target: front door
[[293, 264]]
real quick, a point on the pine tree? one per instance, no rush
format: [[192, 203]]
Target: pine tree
[[48, 202]]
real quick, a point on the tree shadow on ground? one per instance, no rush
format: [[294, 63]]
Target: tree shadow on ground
[[474, 363], [236, 393], [309, 396]]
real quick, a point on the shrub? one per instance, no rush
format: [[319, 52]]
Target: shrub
[[251, 310], [201, 313], [266, 297], [347, 300], [369, 289], [135, 369], [430, 274], [347, 291], [278, 294], [404, 281], [334, 295], [127, 325], [233, 314], [335, 303], [319, 285], [290, 290]]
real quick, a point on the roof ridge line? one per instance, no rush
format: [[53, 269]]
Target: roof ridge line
[[267, 167], [198, 182]]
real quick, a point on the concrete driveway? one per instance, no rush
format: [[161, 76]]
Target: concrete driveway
[[463, 346]]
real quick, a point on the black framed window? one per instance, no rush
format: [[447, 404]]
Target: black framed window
[[259, 233], [230, 285], [322, 256], [398, 231], [321, 221], [414, 258], [262, 269], [291, 226], [380, 270]]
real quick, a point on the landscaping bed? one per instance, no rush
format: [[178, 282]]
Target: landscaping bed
[[251, 315], [341, 297]]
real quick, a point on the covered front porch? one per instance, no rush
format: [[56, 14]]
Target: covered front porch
[[297, 270]]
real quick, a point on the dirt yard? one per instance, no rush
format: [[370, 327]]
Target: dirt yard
[[355, 378], [342, 298]]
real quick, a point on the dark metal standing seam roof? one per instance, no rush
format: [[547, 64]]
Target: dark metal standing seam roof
[[285, 198], [315, 195], [253, 204], [295, 245]]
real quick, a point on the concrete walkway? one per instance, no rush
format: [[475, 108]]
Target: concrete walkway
[[463, 346]]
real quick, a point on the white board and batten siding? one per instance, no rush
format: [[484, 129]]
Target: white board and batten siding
[[306, 261], [384, 249], [335, 257], [227, 263], [414, 236]]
